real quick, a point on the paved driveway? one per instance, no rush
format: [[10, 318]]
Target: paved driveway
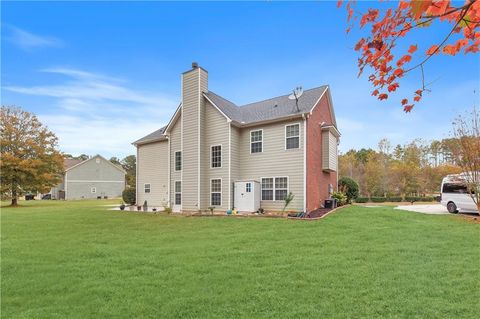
[[435, 209]]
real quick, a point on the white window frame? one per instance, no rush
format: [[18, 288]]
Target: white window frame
[[211, 155], [250, 137], [175, 161], [220, 192], [175, 193], [273, 188], [299, 127], [145, 188], [93, 190]]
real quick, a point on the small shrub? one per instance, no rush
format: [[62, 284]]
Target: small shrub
[[419, 198], [168, 210], [362, 199], [349, 187], [394, 199], [288, 199], [340, 197], [128, 196], [378, 199]]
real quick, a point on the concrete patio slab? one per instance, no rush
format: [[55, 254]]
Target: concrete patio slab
[[435, 209]]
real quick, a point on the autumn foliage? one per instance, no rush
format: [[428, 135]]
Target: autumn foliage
[[30, 161], [389, 26]]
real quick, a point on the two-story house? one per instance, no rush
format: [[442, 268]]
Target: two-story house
[[95, 177], [284, 145]]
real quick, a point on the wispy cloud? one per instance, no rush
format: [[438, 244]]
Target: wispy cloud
[[95, 113], [28, 41]]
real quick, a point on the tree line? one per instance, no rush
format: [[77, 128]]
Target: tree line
[[413, 169]]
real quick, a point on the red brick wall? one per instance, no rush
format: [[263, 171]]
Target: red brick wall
[[317, 179]]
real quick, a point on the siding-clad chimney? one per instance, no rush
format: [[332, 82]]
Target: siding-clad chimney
[[194, 83]]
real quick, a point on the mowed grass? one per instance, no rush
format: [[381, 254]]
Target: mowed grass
[[80, 260]]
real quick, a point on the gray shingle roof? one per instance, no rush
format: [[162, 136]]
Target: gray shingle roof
[[155, 136], [69, 162], [271, 109]]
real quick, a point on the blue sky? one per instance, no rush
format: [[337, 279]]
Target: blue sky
[[102, 75]]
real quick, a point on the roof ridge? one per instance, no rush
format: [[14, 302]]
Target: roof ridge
[[276, 97]]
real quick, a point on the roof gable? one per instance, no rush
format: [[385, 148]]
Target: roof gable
[[91, 158], [273, 109]]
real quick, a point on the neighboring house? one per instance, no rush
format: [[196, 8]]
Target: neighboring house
[[91, 178], [210, 143]]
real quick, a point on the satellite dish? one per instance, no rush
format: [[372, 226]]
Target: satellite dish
[[297, 92]]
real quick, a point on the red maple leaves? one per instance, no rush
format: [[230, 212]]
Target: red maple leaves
[[392, 24]]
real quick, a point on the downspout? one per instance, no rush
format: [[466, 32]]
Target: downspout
[[229, 164], [136, 178], [169, 179], [304, 162]]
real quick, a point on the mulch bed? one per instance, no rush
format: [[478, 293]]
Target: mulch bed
[[317, 214]]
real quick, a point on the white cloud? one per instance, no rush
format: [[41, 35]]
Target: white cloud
[[28, 41], [94, 113]]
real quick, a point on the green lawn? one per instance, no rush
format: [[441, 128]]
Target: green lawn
[[79, 260]]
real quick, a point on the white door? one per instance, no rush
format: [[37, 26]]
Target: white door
[[244, 197]]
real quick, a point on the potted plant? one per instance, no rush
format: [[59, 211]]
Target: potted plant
[[139, 208], [122, 206]]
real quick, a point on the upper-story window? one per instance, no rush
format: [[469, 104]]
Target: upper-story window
[[292, 136], [178, 161], [216, 156], [146, 188], [256, 141]]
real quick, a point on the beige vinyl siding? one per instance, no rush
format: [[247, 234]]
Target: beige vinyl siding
[[153, 169], [193, 83], [214, 133], [274, 161], [329, 151], [175, 145], [97, 173]]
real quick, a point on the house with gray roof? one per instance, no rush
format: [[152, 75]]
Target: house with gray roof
[[95, 177], [213, 153]]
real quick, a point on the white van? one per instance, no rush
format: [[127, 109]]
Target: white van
[[454, 195]]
